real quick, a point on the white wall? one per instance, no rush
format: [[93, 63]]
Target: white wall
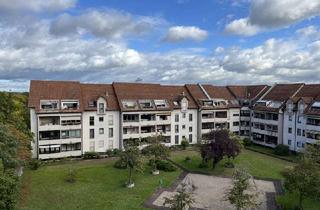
[[101, 142], [34, 130], [184, 121]]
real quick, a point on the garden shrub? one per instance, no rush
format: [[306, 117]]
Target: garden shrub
[[91, 155], [165, 166], [109, 153], [187, 159], [282, 150], [120, 164], [246, 142], [204, 164], [116, 152], [34, 164], [184, 144], [8, 191]]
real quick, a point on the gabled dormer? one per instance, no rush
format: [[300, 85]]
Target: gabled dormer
[[101, 105]]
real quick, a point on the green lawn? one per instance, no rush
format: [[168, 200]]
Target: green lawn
[[257, 164], [268, 150], [99, 186], [289, 201]]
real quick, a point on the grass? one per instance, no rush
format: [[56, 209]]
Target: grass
[[98, 186], [257, 164], [292, 157], [290, 201]]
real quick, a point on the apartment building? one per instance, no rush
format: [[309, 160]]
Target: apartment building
[[153, 109], [300, 125], [218, 108], [267, 117], [56, 119], [71, 118], [247, 96]]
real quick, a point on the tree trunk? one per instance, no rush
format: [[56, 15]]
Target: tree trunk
[[130, 176]]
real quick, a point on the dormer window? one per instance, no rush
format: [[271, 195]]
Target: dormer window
[[175, 103], [316, 105], [129, 104], [101, 108], [92, 103], [184, 105], [49, 104], [70, 105], [146, 104], [207, 103], [160, 103], [290, 107]]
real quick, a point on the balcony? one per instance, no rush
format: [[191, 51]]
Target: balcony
[[49, 123], [148, 119]]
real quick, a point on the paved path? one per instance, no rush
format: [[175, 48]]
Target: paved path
[[210, 192]]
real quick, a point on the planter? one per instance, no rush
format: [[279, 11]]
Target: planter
[[130, 185], [157, 172]]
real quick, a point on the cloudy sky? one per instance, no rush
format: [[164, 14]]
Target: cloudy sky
[[164, 41]]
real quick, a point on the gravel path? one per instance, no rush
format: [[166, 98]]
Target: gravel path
[[210, 192]]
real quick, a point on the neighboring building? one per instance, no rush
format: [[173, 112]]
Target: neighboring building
[[247, 96], [300, 118], [218, 108], [267, 116]]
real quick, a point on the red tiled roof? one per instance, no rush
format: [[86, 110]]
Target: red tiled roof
[[248, 91], [91, 92], [53, 90], [282, 92], [140, 91], [218, 92]]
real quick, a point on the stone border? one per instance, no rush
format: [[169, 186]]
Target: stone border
[[270, 196]]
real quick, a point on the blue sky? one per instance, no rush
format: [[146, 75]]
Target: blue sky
[[164, 41]]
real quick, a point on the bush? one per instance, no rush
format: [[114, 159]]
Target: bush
[[165, 166], [204, 165], [116, 152], [109, 153], [184, 144], [246, 142], [120, 164], [34, 164], [229, 165], [282, 150], [187, 159], [91, 155], [8, 191]]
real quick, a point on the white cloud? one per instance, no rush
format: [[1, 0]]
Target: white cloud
[[273, 14], [36, 5], [107, 23], [242, 27], [182, 33]]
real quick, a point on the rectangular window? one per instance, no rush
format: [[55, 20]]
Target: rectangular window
[[91, 133], [101, 108], [110, 119], [183, 127], [110, 132], [92, 146], [110, 144], [289, 142], [303, 133], [184, 115], [190, 138], [190, 129], [235, 123], [176, 139], [91, 120], [290, 118], [190, 117], [176, 128], [235, 115], [289, 130], [101, 144], [176, 118], [101, 119], [299, 132], [101, 131]]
